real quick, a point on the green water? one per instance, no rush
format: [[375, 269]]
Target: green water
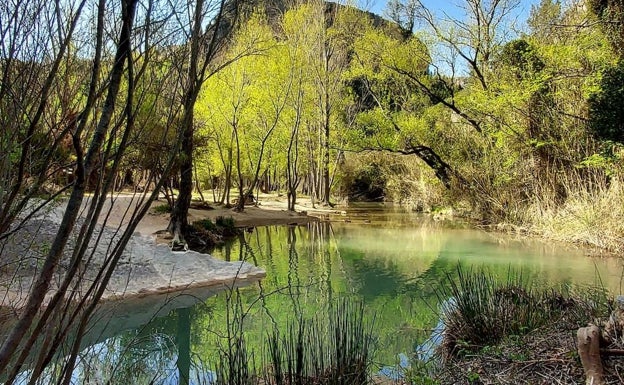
[[394, 262]]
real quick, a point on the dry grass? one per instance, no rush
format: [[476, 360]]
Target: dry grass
[[547, 355], [586, 217]]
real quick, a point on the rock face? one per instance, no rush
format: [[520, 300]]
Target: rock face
[[155, 269], [145, 267]]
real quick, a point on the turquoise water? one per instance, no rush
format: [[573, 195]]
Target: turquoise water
[[394, 262]]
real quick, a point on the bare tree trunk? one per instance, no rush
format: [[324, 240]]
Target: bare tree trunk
[[326, 131], [201, 55], [292, 158], [240, 206], [198, 185], [42, 284]]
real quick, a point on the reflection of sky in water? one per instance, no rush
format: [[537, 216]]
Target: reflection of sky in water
[[392, 261]]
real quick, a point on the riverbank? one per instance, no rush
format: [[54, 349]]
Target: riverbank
[[145, 267], [271, 209], [514, 332]]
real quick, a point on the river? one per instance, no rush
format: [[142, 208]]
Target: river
[[394, 262]]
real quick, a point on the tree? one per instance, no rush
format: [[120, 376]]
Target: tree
[[611, 14], [606, 107], [403, 13], [203, 46], [328, 59], [85, 166], [58, 120], [544, 19], [385, 67]]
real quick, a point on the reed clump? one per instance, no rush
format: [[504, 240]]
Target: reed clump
[[330, 349], [482, 310], [510, 331]]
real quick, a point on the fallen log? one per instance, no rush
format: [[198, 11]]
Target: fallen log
[[588, 345], [589, 339]]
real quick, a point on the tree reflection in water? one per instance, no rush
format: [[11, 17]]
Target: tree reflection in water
[[392, 268]]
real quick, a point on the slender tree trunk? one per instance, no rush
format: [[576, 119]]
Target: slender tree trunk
[[178, 224], [240, 206], [198, 185], [204, 53], [42, 284], [326, 131]]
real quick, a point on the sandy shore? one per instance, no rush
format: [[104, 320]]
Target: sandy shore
[[146, 267], [271, 209]]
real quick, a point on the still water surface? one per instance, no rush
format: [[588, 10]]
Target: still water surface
[[392, 261]]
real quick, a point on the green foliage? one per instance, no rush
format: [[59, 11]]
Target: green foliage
[[544, 18], [611, 14], [222, 227], [606, 107], [206, 224], [512, 135], [522, 58], [422, 373]]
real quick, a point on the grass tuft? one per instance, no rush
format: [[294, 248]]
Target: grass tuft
[[227, 226], [482, 310], [164, 208], [333, 349]]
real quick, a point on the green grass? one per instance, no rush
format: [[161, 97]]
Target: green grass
[[205, 224], [162, 209]]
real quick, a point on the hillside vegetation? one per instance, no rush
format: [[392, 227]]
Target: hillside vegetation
[[521, 130]]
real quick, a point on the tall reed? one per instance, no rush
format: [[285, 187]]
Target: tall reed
[[332, 348], [329, 349]]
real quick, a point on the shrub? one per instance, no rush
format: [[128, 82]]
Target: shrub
[[205, 224], [164, 208], [606, 107]]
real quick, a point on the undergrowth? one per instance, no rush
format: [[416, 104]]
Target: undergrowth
[[508, 331], [207, 234]]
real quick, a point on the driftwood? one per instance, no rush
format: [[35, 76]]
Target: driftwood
[[589, 339], [589, 350]]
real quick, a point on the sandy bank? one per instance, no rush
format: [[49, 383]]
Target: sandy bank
[[270, 210], [146, 268]]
